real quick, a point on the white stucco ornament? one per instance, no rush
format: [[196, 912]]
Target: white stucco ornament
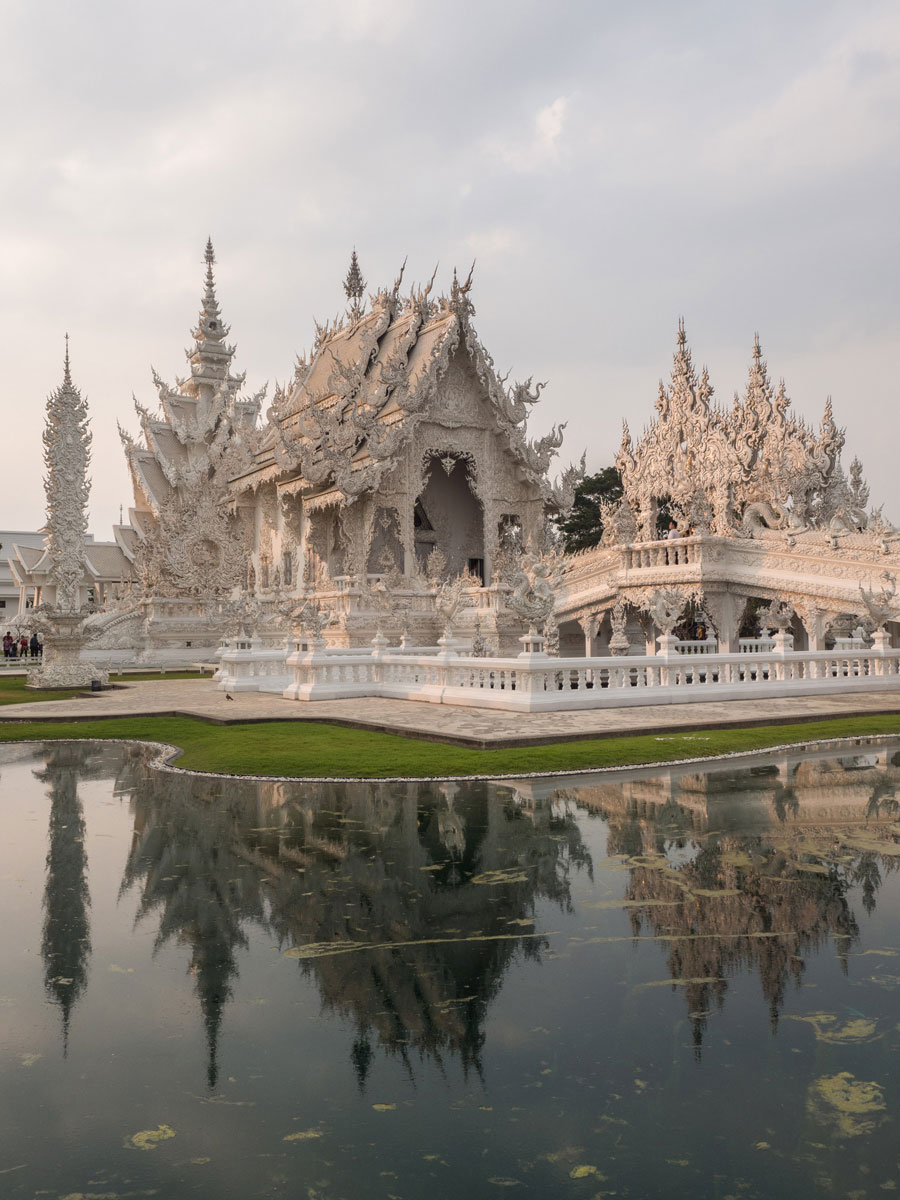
[[532, 597], [62, 620]]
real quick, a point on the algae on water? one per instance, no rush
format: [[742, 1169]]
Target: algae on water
[[849, 1106]]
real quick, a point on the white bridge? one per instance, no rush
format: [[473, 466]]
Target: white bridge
[[819, 575]]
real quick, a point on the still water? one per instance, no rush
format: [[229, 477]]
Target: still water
[[678, 983]]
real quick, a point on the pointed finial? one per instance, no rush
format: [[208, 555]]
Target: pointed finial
[[67, 377], [459, 292], [210, 255], [354, 284], [757, 349], [120, 514], [399, 278], [682, 336]]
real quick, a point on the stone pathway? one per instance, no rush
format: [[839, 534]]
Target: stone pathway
[[443, 722]]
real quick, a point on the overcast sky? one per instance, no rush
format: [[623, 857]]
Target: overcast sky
[[611, 166]]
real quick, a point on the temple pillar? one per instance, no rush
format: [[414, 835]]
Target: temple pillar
[[588, 625], [814, 621], [648, 628], [490, 539], [726, 611]]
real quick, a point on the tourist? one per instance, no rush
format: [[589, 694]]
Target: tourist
[[34, 645], [673, 534], [7, 643], [23, 646]]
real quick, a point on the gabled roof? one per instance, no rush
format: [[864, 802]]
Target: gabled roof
[[371, 379]]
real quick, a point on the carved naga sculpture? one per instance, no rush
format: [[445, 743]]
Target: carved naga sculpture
[[666, 607], [532, 596], [881, 606]]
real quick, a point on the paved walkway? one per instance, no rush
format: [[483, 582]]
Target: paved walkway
[[443, 722]]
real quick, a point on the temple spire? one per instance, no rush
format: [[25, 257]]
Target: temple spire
[[67, 485], [211, 356], [760, 395], [355, 288]]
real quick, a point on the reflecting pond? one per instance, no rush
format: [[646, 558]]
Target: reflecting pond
[[672, 983]]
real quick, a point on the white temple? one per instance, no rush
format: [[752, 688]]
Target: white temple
[[395, 461], [391, 502]]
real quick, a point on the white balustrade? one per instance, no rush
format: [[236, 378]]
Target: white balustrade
[[540, 683], [674, 552], [698, 646], [757, 645]]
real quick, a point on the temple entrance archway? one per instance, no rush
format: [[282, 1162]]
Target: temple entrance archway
[[448, 516]]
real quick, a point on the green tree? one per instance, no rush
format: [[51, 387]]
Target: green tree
[[582, 527]]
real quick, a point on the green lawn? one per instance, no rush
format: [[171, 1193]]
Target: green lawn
[[304, 748], [13, 691]]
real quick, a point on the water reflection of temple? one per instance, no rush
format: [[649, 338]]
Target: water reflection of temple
[[66, 934], [405, 903], [747, 868]]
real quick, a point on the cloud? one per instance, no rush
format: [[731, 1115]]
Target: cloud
[[497, 242], [841, 112], [716, 151], [543, 147]]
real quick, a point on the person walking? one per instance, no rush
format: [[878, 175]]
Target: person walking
[[34, 645]]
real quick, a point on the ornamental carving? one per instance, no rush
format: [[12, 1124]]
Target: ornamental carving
[[533, 595], [67, 456], [739, 471]]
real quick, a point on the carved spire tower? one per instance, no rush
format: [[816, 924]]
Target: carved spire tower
[[67, 456]]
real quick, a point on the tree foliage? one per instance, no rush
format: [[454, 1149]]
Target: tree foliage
[[582, 526]]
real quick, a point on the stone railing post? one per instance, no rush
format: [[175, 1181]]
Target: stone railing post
[[668, 652], [783, 645], [881, 643]]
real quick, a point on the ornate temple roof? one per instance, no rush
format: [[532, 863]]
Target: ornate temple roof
[[206, 427], [372, 376], [754, 466]]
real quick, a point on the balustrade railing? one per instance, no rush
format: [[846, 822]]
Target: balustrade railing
[[758, 645], [674, 552], [697, 646], [541, 683]]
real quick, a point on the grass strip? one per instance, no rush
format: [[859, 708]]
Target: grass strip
[[307, 748]]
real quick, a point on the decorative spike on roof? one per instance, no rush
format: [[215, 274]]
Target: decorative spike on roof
[[355, 288], [459, 293]]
